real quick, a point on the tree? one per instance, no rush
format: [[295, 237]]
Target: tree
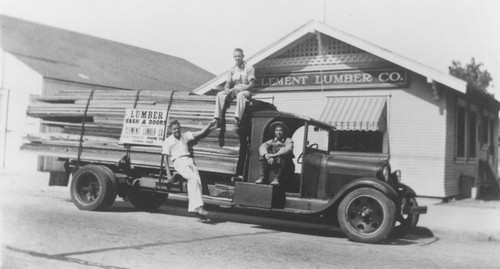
[[476, 78]]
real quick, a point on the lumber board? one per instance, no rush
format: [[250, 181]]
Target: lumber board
[[62, 111], [205, 162]]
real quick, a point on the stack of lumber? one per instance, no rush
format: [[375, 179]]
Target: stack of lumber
[[62, 112]]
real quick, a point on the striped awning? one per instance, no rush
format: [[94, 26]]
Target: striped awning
[[366, 113]]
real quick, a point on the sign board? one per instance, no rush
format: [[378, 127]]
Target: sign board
[[143, 127], [332, 79]]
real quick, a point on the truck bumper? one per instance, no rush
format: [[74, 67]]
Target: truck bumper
[[415, 210]]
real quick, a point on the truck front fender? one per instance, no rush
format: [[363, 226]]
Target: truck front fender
[[367, 182], [379, 185], [404, 190]]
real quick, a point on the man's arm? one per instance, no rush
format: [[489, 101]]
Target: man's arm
[[288, 148], [251, 79], [167, 167], [229, 81], [246, 87], [166, 153], [263, 148], [204, 131]]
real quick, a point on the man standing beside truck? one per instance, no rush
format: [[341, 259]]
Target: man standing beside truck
[[276, 153], [239, 83], [176, 147]]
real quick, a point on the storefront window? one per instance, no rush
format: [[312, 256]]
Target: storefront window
[[359, 141]]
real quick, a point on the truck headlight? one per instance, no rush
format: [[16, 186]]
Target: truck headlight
[[395, 177], [384, 173]]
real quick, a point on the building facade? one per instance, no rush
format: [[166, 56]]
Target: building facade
[[432, 128], [40, 59]]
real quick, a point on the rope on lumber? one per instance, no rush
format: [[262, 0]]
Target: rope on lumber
[[80, 146]]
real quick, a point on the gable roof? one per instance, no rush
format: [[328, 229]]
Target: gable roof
[[315, 26], [70, 56]]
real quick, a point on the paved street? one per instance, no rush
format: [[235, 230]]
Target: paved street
[[41, 228]]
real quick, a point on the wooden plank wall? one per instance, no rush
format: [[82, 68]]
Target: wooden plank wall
[[418, 137]]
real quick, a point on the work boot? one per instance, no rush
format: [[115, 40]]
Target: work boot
[[201, 211], [277, 173], [262, 169]]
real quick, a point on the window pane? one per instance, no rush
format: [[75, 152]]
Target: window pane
[[460, 131], [492, 134], [359, 141], [472, 135], [485, 131]]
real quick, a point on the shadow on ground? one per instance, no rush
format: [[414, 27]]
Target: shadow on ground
[[276, 221]]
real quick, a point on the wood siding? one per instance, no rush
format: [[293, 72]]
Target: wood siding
[[417, 125]]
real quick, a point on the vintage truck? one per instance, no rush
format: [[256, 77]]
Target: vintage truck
[[357, 191]]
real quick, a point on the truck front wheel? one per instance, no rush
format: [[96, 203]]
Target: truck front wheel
[[92, 188], [366, 215]]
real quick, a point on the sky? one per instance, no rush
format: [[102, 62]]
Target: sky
[[204, 32]]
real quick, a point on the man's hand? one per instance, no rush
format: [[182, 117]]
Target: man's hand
[[170, 177], [212, 124], [232, 92], [270, 161]]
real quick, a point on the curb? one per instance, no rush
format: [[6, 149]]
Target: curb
[[462, 235], [460, 223]]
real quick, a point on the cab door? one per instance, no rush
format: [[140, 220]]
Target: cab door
[[313, 155]]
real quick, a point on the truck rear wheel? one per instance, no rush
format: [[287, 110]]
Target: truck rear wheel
[[147, 200], [92, 188], [366, 215]]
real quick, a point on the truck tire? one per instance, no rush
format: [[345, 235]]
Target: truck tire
[[147, 200], [366, 215], [92, 188], [406, 222]]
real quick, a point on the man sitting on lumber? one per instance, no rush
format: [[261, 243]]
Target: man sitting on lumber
[[239, 83], [176, 147], [276, 153]]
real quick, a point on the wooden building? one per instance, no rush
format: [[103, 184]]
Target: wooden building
[[74, 64], [433, 129]]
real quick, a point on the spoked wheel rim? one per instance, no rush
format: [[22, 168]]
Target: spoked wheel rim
[[88, 188], [365, 214]]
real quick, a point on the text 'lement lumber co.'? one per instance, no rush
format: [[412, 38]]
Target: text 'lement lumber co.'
[[358, 78]]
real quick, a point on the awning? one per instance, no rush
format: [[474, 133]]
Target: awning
[[366, 113]]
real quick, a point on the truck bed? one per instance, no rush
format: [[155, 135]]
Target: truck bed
[[62, 112]]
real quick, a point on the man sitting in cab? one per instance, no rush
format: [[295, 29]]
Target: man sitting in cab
[[276, 153]]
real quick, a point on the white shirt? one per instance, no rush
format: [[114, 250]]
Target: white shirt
[[176, 148], [241, 77]]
